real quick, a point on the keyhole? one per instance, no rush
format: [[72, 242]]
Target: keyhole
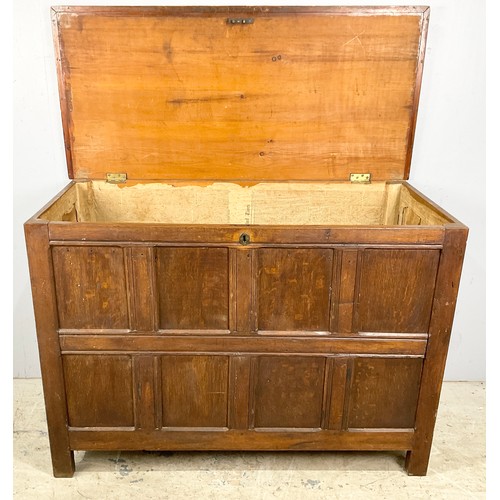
[[244, 239]]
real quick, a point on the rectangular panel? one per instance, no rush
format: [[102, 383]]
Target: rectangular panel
[[287, 96], [395, 290], [193, 288], [338, 393], [239, 390], [288, 391], [99, 390], [194, 391], [242, 440], [310, 235], [293, 290], [249, 343], [141, 288], [384, 392], [348, 262], [244, 290], [144, 391], [90, 287]]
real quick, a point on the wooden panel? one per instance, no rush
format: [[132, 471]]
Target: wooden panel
[[193, 288], [395, 291], [141, 291], [244, 291], [384, 393], [99, 390], [288, 392], [91, 287], [195, 391], [63, 207], [239, 390], [287, 235], [445, 301], [347, 289], [338, 394], [241, 440], [45, 309], [293, 290], [244, 343], [414, 208], [286, 97], [144, 391]]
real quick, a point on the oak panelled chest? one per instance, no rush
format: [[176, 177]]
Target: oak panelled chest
[[239, 262]]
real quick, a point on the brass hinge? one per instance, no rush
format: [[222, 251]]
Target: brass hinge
[[361, 178], [115, 178], [240, 20]]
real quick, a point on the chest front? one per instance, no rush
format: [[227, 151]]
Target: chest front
[[239, 262]]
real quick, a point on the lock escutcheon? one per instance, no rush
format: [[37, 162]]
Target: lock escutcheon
[[244, 238]]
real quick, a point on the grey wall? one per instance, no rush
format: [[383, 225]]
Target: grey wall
[[448, 160]]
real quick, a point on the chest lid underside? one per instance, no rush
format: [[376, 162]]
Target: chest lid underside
[[239, 93]]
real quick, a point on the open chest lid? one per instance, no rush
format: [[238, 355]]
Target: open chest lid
[[239, 93]]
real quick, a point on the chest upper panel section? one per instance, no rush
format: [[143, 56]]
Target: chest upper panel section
[[239, 93]]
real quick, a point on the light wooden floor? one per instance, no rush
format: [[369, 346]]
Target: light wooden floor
[[456, 471]]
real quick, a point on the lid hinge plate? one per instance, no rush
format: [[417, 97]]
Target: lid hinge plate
[[360, 178], [116, 178]]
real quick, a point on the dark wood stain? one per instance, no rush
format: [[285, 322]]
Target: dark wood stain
[[91, 287], [99, 390], [197, 341], [443, 309], [288, 392], [384, 393], [271, 440], [395, 290], [294, 289], [347, 288], [194, 391], [141, 289], [193, 288], [45, 308]]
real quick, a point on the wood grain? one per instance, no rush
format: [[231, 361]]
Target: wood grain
[[91, 287], [338, 394], [193, 288], [45, 309], [99, 390], [141, 289], [245, 290], [229, 234], [194, 391], [241, 440], [346, 289], [242, 343], [384, 393], [293, 289], [300, 96], [239, 392], [395, 290], [144, 377], [443, 309], [288, 392]]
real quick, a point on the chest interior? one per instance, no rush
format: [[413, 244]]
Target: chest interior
[[262, 204]]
